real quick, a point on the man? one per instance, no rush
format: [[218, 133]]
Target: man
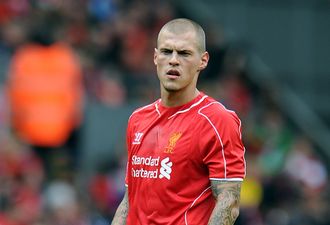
[[185, 154]]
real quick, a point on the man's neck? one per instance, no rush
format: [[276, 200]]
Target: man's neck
[[173, 99]]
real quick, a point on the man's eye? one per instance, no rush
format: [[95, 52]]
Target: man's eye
[[166, 51], [184, 53]]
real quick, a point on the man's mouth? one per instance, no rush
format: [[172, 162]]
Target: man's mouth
[[173, 73]]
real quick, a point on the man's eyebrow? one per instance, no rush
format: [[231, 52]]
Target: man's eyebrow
[[180, 51], [184, 51], [165, 49]]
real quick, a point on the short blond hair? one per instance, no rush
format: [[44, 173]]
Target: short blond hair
[[182, 25]]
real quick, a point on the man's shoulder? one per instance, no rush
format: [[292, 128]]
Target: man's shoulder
[[145, 110], [214, 110]]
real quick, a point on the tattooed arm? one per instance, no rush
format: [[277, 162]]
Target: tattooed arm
[[122, 211], [226, 210]]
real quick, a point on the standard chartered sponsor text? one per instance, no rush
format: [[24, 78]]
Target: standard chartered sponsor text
[[145, 161], [148, 161], [144, 167], [145, 173]]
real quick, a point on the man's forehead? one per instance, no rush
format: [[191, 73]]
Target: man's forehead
[[182, 40], [169, 34], [179, 46]]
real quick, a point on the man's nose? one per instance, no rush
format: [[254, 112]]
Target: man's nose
[[174, 59]]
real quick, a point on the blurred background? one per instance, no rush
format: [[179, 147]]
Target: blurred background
[[72, 71]]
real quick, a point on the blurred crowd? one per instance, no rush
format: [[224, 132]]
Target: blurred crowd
[[56, 55]]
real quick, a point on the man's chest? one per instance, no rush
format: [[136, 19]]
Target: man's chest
[[163, 150], [163, 138]]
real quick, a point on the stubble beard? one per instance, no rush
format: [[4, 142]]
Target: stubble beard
[[170, 89]]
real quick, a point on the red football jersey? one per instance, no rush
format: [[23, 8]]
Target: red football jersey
[[173, 153]]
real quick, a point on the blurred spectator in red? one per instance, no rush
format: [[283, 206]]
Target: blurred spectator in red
[[106, 189], [21, 176], [236, 95], [13, 8]]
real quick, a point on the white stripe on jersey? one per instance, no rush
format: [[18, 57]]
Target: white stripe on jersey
[[226, 179], [192, 204], [217, 133], [192, 106]]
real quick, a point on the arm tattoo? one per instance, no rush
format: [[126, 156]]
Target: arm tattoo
[[122, 212], [226, 210]]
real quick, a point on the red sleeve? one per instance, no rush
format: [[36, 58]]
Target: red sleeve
[[221, 144]]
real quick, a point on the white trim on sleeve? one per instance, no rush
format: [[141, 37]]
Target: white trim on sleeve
[[226, 179]]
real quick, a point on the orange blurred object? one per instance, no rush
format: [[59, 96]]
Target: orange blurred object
[[45, 92]]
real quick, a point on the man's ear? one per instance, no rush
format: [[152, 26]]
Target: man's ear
[[204, 61], [155, 56]]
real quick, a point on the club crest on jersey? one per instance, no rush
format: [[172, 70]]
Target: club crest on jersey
[[172, 142], [137, 139]]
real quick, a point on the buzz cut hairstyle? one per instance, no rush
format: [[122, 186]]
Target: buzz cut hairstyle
[[182, 25]]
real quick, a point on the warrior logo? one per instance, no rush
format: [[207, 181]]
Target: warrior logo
[[137, 139], [172, 142], [165, 170]]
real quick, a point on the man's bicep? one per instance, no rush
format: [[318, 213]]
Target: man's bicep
[[226, 191], [124, 202], [227, 194], [125, 198]]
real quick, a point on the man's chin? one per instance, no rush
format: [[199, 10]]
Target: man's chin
[[171, 89]]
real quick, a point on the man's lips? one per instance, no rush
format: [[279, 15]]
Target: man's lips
[[173, 73]]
